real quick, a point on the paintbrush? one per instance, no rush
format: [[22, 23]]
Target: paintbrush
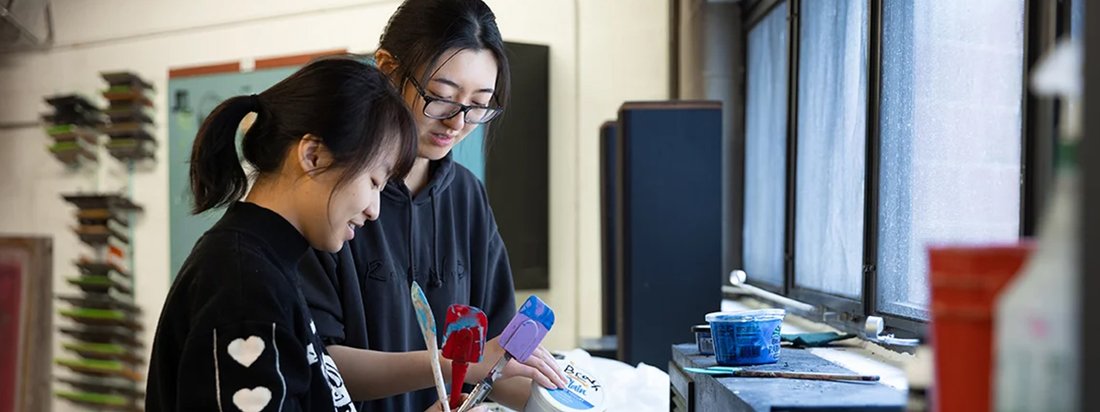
[[742, 373], [463, 343], [520, 339], [427, 328]]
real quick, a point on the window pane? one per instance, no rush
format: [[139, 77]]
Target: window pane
[[832, 140], [1077, 19], [951, 113], [766, 147]]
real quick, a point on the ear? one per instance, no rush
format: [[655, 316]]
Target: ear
[[385, 61], [311, 155]]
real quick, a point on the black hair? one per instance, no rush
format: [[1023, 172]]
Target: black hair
[[349, 105], [420, 31]]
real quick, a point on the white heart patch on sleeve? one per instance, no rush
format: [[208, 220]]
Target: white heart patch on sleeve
[[246, 351], [252, 400]]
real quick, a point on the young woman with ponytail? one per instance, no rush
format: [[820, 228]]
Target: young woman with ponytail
[[235, 332], [448, 60]]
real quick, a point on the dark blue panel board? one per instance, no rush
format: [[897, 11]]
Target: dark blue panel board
[[608, 135], [777, 394], [669, 225], [517, 167]]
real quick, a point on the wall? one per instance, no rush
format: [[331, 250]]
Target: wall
[[623, 55], [602, 53]]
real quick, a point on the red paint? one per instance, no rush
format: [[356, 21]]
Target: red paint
[[463, 344]]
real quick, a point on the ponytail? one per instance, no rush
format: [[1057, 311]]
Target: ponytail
[[217, 178], [349, 105]]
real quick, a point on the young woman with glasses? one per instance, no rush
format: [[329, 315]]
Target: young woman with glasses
[[448, 60]]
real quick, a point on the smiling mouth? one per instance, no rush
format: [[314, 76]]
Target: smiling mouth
[[442, 140]]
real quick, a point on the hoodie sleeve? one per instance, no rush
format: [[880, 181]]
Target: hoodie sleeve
[[249, 366], [320, 276]]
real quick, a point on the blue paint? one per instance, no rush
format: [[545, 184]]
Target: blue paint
[[569, 397], [537, 310], [462, 323], [747, 337], [470, 322], [423, 311]]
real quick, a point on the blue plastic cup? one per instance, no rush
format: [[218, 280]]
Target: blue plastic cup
[[747, 337]]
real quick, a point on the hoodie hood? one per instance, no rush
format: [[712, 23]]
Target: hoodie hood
[[442, 173]]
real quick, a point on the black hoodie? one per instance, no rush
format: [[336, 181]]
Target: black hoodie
[[235, 333], [444, 238]]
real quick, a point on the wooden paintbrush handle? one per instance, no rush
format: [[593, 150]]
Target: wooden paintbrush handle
[[806, 375]]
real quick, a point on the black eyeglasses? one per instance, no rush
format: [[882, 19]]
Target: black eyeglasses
[[442, 109]]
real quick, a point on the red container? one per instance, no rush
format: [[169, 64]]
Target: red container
[[966, 281]]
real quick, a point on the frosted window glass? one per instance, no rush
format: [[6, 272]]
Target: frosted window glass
[[832, 141], [950, 150], [765, 148], [1077, 19]]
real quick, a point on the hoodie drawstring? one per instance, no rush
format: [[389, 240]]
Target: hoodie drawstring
[[412, 256], [437, 277]]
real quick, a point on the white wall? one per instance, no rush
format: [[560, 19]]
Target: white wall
[[624, 56], [601, 53]]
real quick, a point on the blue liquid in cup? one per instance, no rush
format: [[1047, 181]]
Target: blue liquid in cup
[[747, 337]]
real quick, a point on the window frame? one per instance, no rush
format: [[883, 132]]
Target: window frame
[[845, 306], [1043, 22]]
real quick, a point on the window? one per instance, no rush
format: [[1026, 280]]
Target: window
[[832, 140], [879, 129], [1077, 19], [766, 148], [951, 109]]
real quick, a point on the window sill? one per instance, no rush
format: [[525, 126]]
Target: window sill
[[901, 375], [856, 354]]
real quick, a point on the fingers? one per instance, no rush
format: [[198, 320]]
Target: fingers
[[550, 367], [540, 367], [543, 372], [549, 370], [558, 376], [531, 371]]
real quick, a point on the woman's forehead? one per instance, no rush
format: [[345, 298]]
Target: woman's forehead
[[468, 70]]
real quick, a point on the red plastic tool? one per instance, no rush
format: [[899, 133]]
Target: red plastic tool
[[463, 343]]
